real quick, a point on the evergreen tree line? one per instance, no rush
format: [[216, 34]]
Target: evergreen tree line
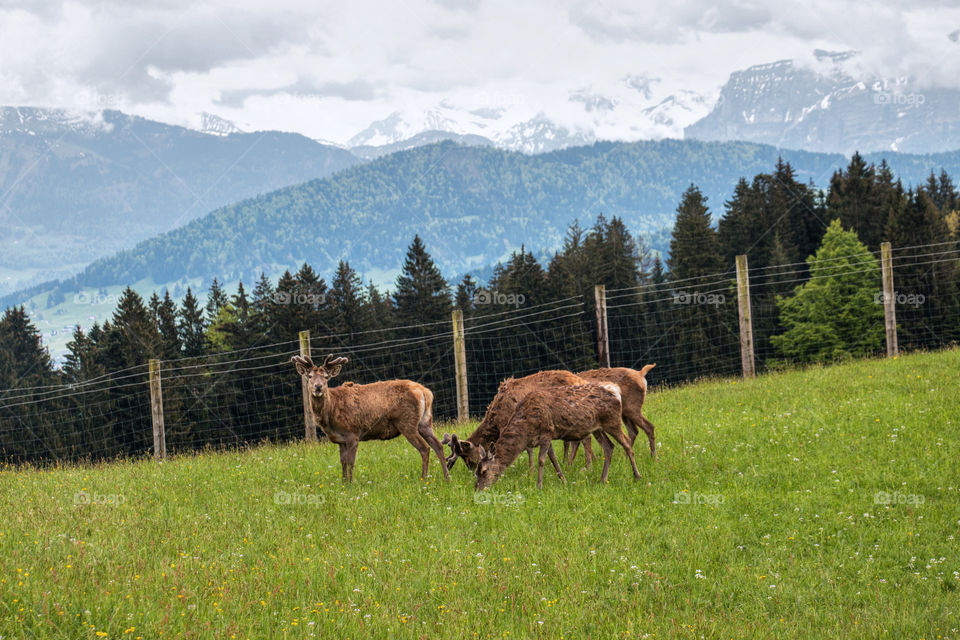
[[226, 379]]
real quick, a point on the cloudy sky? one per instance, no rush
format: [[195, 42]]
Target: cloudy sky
[[329, 69]]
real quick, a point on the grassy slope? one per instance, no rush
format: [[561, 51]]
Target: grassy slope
[[798, 547]]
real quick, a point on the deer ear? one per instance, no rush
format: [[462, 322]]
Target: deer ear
[[466, 446], [333, 369], [303, 365]]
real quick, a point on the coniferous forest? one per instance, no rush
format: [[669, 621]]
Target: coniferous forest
[[814, 283]]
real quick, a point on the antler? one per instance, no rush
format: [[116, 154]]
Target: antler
[[331, 360], [303, 359]]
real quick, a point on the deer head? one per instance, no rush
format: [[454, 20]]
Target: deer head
[[485, 469], [317, 377], [462, 449]]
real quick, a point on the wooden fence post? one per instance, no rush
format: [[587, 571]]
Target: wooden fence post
[[889, 299], [460, 365], [603, 344], [310, 425], [746, 317], [156, 410]]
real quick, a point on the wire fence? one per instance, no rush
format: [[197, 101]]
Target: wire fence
[[690, 328]]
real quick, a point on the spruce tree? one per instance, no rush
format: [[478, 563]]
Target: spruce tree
[[170, 345], [421, 295], [836, 313], [695, 335], [216, 299], [859, 201], [191, 326], [694, 247], [346, 299]]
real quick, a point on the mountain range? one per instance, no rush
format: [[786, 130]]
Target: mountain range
[[828, 106], [78, 186]]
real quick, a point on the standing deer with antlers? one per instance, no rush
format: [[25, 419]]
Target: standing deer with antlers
[[377, 411]]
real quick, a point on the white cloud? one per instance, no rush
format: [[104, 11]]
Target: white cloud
[[329, 69]]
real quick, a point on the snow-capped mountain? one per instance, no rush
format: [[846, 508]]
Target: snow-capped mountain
[[830, 104], [217, 126], [635, 108], [40, 121]]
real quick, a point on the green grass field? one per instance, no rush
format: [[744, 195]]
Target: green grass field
[[808, 504]]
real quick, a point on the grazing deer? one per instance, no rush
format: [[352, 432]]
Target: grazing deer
[[501, 408], [378, 411], [557, 413], [633, 390]]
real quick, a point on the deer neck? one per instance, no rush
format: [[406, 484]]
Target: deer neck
[[321, 407]]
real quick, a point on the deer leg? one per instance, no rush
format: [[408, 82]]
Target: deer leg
[[530, 459], [647, 427], [348, 454], [632, 429], [587, 451], [624, 441], [556, 465], [427, 434], [420, 445], [451, 460], [607, 447], [542, 457], [566, 451], [574, 447]]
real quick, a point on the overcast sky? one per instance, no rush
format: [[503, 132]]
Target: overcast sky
[[328, 69]]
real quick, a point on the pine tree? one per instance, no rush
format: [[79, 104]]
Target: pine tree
[[835, 314], [133, 337], [191, 327], [859, 201], [466, 295], [694, 247], [695, 335], [347, 304], [421, 298], [422, 295], [170, 345], [929, 282], [260, 313], [216, 300], [29, 363]]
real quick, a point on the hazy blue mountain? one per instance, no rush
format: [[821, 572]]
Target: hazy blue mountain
[[369, 152], [76, 187], [471, 205]]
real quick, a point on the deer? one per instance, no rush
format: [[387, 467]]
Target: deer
[[633, 388], [351, 413], [568, 413], [501, 408]]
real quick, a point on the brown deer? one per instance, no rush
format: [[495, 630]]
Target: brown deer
[[571, 414], [501, 408], [383, 410], [633, 390]]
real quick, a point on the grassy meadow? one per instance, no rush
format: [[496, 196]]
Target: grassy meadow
[[823, 502]]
